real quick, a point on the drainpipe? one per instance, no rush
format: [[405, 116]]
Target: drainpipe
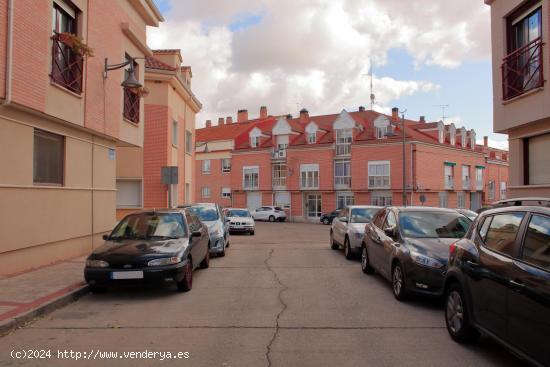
[[9, 55]]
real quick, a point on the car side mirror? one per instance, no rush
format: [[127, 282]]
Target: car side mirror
[[227, 220], [390, 232], [105, 237], [343, 219], [196, 234]]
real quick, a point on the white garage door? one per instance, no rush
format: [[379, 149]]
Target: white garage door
[[282, 199], [253, 200]]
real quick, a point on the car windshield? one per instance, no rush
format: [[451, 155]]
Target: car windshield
[[205, 213], [150, 226], [470, 214], [238, 213], [433, 224], [362, 215]]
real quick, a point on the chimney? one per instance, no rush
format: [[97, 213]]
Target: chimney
[[304, 116], [229, 120], [395, 113], [422, 119], [242, 115], [221, 121], [361, 108], [263, 112], [208, 123], [485, 141]]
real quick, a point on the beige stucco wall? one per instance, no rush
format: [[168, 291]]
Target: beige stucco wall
[[531, 106]]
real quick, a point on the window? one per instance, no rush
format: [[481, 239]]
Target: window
[[463, 139], [449, 176], [491, 193], [479, 178], [255, 141], [342, 173], [461, 200], [131, 98], [175, 133], [344, 199], [314, 205], [309, 176], [538, 169], [128, 193], [66, 63], [536, 248], [282, 199], [188, 142], [311, 138], [250, 177], [205, 192], [226, 192], [381, 132], [379, 174], [466, 177], [441, 135], [343, 141], [391, 221], [381, 198], [206, 166], [279, 174], [502, 190], [378, 218], [48, 158], [226, 164], [443, 199], [502, 232], [521, 69]]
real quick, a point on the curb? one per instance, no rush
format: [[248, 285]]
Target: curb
[[26, 317]]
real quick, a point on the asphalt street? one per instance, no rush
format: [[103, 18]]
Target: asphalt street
[[279, 298]]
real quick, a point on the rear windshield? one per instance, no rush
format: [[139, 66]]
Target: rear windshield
[[150, 226], [362, 215], [205, 213], [433, 224], [238, 213]]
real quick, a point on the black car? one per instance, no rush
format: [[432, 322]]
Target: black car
[[150, 245], [410, 247], [498, 281], [327, 218]]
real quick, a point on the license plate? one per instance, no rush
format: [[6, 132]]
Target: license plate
[[127, 275]]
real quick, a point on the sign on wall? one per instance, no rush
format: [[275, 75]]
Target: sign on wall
[[169, 175]]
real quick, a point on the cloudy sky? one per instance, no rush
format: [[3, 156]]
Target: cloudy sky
[[290, 54]]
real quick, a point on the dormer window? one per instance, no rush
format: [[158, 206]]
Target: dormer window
[[473, 139], [311, 138], [463, 139], [440, 132], [254, 141], [381, 127], [452, 133]]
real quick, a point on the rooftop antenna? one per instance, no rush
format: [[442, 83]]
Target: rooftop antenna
[[443, 108], [369, 74]]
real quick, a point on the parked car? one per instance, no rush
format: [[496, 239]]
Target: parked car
[[348, 229], [410, 247], [327, 218], [218, 228], [270, 213], [240, 220], [469, 213], [498, 282], [150, 245]]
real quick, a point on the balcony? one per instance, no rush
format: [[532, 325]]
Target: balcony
[[131, 105], [449, 183], [278, 153], [342, 182], [279, 183], [465, 184], [343, 149], [522, 70], [66, 65]]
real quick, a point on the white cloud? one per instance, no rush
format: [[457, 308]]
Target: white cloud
[[499, 144], [314, 53]]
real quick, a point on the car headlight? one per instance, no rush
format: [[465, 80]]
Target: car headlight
[[426, 260], [164, 261], [97, 264]]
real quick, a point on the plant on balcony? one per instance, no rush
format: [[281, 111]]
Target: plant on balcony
[[76, 44], [141, 92]]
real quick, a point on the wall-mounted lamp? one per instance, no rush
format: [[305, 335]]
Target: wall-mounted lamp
[[130, 81]]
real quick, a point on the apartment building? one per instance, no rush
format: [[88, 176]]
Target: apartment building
[[63, 120], [170, 109], [519, 38], [314, 164]]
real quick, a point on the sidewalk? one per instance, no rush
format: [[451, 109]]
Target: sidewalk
[[37, 292]]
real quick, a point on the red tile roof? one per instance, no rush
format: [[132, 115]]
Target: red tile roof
[[153, 63]]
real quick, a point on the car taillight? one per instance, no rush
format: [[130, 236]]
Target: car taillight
[[452, 249]]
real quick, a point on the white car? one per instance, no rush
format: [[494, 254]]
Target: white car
[[348, 229], [270, 213], [240, 220]]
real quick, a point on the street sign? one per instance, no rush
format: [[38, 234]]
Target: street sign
[[169, 175]]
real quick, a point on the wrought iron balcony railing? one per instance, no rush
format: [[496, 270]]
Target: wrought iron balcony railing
[[131, 105], [522, 70], [67, 65]]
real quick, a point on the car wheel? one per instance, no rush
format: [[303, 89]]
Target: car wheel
[[365, 265], [205, 263], [398, 282], [333, 244], [347, 249], [457, 318], [326, 221], [252, 233], [271, 218], [186, 283]]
